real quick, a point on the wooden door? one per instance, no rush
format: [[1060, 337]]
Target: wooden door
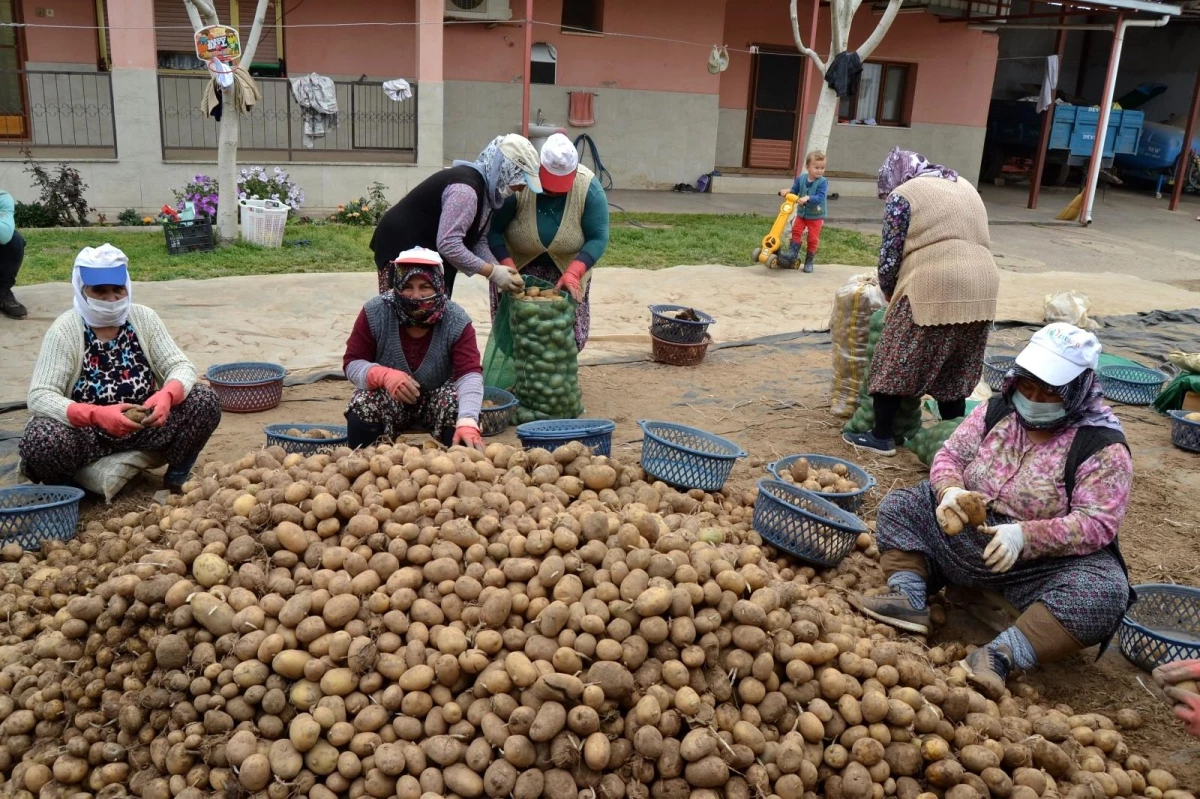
[[14, 116], [774, 109]]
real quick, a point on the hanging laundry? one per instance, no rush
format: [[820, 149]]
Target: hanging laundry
[[581, 109], [398, 90], [317, 97], [1049, 84], [843, 73], [245, 93]]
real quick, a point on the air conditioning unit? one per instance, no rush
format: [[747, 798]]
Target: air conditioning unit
[[495, 10]]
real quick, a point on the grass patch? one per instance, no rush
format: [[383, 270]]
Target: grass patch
[[667, 240]]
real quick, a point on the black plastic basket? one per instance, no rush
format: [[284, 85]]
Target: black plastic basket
[[303, 445], [595, 434], [1162, 626], [1131, 385], [995, 367], [495, 420], [802, 523], [687, 457], [666, 327], [1185, 433], [850, 501], [191, 236]]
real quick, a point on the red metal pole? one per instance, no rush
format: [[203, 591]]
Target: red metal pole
[[528, 67], [807, 74], [1039, 161], [1185, 155]]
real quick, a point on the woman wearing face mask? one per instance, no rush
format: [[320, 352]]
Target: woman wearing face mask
[[100, 359], [558, 235], [414, 360], [451, 212], [1051, 460]]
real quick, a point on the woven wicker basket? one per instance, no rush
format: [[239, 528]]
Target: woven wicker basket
[[679, 354]]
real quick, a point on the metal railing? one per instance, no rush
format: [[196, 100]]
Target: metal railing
[[46, 111], [369, 126]]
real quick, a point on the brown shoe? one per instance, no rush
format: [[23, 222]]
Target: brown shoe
[[987, 670], [894, 609]]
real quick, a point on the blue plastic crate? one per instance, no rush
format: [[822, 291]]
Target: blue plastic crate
[[1162, 626], [31, 514], [666, 327], [595, 434], [1185, 434], [849, 501], [277, 436], [687, 458], [495, 420], [1131, 385], [804, 524]]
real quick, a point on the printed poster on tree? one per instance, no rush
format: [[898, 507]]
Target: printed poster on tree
[[218, 42]]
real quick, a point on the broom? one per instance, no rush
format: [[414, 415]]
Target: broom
[[1073, 208]]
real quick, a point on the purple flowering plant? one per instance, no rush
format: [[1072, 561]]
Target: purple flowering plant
[[254, 183]]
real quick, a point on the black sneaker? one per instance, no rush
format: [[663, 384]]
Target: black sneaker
[[988, 668], [894, 609], [10, 307], [880, 446]]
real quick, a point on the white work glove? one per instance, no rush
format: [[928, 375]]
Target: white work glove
[[1007, 542], [950, 501], [506, 278]]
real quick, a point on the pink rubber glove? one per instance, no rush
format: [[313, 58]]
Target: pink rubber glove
[[161, 402], [467, 433], [109, 418], [508, 262], [571, 281], [399, 385]]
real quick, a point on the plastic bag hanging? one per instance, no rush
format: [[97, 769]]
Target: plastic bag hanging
[[718, 60]]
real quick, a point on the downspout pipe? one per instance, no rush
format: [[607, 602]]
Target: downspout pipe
[[528, 76]]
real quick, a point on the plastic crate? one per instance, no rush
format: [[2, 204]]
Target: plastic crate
[[277, 436], [687, 458], [1185, 434], [495, 420], [1162, 626], [804, 524], [669, 352], [247, 387], [263, 222], [1131, 385], [849, 501], [595, 434], [192, 236], [31, 514], [665, 326], [995, 367]]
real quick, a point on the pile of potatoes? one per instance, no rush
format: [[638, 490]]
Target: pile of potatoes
[[835, 480], [413, 623]]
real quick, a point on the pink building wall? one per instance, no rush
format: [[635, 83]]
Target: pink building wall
[[68, 46], [381, 51], [955, 66], [474, 53]]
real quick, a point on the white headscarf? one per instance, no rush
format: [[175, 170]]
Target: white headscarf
[[97, 313]]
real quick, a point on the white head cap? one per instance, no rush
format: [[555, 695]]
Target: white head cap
[[1059, 353], [560, 160]]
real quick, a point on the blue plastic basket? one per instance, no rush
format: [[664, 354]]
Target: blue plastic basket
[[247, 387], [1162, 626], [31, 514], [685, 457], [995, 367], [849, 501], [1185, 434], [804, 524], [277, 436], [495, 420], [665, 326], [595, 434], [1131, 385]]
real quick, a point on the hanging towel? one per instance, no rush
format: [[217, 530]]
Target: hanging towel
[[398, 89], [582, 111], [317, 97], [843, 73], [1049, 84]]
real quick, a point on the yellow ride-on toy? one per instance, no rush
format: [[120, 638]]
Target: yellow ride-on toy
[[768, 253]]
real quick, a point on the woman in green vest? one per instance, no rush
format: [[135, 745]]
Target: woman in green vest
[[558, 235]]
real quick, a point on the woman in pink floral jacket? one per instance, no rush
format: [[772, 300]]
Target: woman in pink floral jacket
[[1051, 461]]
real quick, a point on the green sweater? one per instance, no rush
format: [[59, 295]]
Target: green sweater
[[550, 213], [7, 225]]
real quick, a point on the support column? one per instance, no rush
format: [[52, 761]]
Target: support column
[[431, 92], [1185, 155], [135, 93], [805, 79], [1039, 163]]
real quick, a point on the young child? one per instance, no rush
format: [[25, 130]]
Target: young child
[[811, 188]]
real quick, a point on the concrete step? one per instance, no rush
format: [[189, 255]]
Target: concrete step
[[771, 184]]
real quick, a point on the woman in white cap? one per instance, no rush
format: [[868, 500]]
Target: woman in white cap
[[100, 359], [451, 212], [414, 361], [1051, 461], [559, 235]]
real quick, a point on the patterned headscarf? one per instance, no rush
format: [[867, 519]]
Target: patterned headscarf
[[1083, 400], [411, 311], [499, 172], [901, 166]]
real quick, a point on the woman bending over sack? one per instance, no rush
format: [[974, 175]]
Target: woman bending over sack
[[1050, 462], [101, 359], [414, 361]]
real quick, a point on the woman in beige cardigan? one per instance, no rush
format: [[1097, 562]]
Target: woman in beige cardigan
[[941, 284], [104, 357]]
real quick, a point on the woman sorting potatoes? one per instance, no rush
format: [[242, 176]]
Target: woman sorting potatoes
[[109, 378], [414, 360], [1024, 499]]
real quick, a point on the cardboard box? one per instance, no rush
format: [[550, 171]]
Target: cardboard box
[[1191, 401]]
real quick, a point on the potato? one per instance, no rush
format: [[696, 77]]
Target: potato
[[210, 569]]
